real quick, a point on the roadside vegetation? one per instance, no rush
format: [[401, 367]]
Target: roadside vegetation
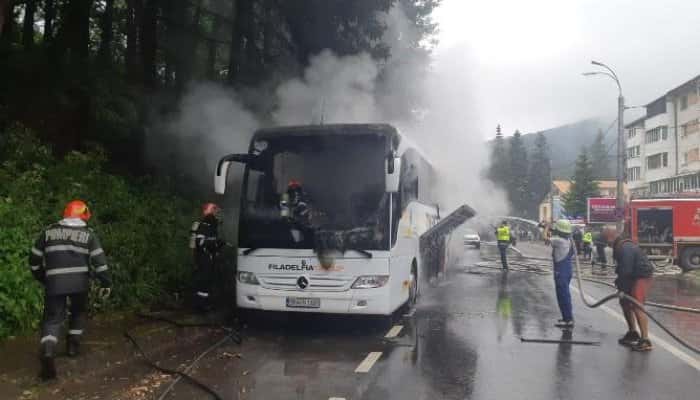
[[142, 225], [84, 83]]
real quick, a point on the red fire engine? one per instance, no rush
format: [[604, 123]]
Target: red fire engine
[[667, 228]]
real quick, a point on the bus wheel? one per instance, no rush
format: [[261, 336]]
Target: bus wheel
[[690, 259]]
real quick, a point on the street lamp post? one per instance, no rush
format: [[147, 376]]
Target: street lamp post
[[620, 201]]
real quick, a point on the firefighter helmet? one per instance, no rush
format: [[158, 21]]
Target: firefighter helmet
[[210, 209], [294, 184], [77, 209], [563, 226]]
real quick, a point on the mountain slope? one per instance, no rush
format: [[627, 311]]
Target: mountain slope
[[565, 143]]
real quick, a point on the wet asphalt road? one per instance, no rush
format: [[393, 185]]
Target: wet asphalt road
[[461, 342]]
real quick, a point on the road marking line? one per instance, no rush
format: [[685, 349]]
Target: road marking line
[[394, 331], [368, 362], [680, 354], [410, 313]]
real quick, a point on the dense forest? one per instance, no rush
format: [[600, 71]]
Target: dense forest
[[86, 83], [89, 70]]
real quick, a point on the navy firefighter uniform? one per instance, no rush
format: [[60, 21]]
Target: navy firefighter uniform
[[62, 260]]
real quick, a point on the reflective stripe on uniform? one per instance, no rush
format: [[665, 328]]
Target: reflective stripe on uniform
[[101, 268], [75, 332], [96, 252], [66, 247], [49, 338], [69, 270], [34, 267], [202, 294], [37, 252]]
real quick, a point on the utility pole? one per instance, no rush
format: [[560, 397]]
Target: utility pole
[[620, 193]]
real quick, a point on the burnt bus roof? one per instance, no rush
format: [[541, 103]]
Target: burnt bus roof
[[385, 130]]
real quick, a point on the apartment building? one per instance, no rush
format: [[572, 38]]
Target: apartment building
[[663, 147]]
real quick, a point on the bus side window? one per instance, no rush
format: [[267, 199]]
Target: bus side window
[[255, 186]]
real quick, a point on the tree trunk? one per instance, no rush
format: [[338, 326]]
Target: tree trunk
[[132, 31], [7, 20], [211, 56], [190, 43], [28, 28], [178, 39], [49, 17], [237, 35], [149, 46], [105, 52], [75, 31]]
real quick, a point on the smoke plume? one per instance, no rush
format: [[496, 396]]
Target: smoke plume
[[432, 106]]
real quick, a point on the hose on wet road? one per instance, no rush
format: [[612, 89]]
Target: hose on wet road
[[231, 334], [181, 374], [539, 268], [624, 296]]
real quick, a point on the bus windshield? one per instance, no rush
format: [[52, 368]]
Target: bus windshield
[[316, 191]]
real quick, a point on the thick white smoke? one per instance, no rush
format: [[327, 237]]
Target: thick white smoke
[[332, 90], [212, 121]]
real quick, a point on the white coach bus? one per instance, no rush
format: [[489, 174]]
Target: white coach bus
[[330, 219]]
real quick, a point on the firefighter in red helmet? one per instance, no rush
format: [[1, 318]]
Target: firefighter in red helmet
[[205, 243], [62, 260]]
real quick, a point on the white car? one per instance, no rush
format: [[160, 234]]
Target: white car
[[472, 238]]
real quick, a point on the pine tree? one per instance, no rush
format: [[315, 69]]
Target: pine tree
[[500, 166], [583, 186], [599, 157], [518, 191], [540, 174]]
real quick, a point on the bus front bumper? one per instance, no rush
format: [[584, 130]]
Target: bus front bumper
[[353, 301]]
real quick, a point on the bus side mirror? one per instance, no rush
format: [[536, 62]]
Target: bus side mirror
[[393, 173], [222, 170], [221, 176]]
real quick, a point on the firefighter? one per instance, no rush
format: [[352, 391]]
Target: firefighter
[[504, 240], [294, 207], [297, 203], [600, 243], [578, 240], [562, 256], [587, 245], [634, 278], [61, 260], [205, 243]]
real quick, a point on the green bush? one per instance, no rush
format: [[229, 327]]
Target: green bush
[[142, 225]]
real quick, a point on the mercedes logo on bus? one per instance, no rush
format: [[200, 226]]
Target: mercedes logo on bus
[[302, 282]]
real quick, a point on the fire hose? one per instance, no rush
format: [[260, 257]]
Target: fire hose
[[533, 268], [231, 334], [624, 296]]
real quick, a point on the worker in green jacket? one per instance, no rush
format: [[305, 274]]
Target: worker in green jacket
[[587, 245], [504, 240]]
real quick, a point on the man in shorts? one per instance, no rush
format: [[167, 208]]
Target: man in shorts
[[634, 278]]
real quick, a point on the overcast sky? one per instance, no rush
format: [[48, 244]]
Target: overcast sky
[[524, 59]]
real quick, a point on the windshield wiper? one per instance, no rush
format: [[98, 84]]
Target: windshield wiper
[[363, 252], [250, 250]]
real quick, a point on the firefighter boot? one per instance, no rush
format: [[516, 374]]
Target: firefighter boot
[[73, 345], [46, 356]]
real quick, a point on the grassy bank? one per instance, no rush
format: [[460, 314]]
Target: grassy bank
[[143, 225]]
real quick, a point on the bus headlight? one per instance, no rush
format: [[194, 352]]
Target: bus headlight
[[370, 281], [248, 278]]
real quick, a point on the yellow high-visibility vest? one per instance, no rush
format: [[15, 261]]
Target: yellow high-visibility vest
[[588, 237], [503, 234]]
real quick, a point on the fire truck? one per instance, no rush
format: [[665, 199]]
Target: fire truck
[[667, 228]]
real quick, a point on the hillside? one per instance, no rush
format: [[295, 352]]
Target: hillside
[[566, 141]]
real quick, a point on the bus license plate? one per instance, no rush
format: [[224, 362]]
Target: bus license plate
[[303, 302]]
